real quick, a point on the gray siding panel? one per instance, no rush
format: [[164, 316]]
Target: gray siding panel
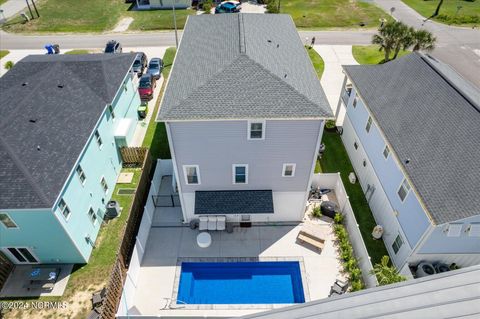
[[216, 145]]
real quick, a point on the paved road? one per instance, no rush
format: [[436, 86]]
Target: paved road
[[14, 41], [459, 47]]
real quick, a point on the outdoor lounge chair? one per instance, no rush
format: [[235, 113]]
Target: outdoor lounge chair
[[97, 298], [339, 287], [203, 225], [312, 236], [221, 222], [212, 223]]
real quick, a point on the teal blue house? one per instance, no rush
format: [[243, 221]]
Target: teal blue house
[[64, 119]]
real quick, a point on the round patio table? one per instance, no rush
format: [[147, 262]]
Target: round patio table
[[204, 240]]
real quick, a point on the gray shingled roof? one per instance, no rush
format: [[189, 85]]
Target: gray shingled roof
[[240, 66], [428, 120], [64, 119], [234, 202]]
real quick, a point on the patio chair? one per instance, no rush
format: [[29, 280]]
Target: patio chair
[[212, 223], [221, 222], [97, 297], [339, 287], [203, 225]]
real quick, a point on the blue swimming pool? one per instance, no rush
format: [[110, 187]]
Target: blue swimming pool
[[240, 283]]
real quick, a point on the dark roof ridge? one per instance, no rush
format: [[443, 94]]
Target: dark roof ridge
[[26, 173], [426, 57]]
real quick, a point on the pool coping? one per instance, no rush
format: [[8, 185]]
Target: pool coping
[[176, 283]]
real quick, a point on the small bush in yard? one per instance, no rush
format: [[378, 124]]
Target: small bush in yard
[[338, 219], [207, 6], [330, 124], [8, 65], [272, 6], [317, 211]]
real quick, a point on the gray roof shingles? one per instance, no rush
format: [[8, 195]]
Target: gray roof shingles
[[428, 120], [234, 202], [38, 157], [240, 66]]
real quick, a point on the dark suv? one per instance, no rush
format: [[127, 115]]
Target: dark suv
[[140, 63], [113, 47]]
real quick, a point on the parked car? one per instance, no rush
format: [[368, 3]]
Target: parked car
[[228, 7], [147, 86], [155, 67], [140, 63], [113, 47]]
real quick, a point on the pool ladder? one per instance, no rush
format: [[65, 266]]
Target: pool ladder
[[179, 304]]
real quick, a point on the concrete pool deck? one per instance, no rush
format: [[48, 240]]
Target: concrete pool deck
[[166, 244]]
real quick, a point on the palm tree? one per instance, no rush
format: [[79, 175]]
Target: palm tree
[[403, 38], [422, 40], [386, 274], [386, 39]]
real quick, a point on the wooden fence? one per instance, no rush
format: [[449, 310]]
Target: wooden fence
[[119, 271], [133, 156], [6, 267]]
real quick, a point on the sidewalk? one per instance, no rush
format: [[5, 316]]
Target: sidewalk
[[12, 7], [334, 57]]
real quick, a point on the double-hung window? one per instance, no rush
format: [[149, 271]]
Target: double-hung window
[[81, 174], [240, 173], [386, 151], [288, 170], [192, 174], [256, 130], [7, 221], [98, 139], [104, 185], [369, 124], [110, 110], [63, 207], [397, 244], [92, 216], [403, 190]]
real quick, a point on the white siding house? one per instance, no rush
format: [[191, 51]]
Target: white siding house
[[244, 113], [412, 137]]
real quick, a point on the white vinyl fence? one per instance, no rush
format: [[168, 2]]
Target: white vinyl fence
[[333, 181], [163, 167]]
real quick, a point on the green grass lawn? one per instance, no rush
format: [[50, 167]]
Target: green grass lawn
[[317, 61], [3, 53], [320, 14], [335, 159], [468, 15], [158, 19], [80, 51], [156, 136], [369, 54], [2, 1]]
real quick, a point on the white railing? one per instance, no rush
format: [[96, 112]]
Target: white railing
[[333, 181]]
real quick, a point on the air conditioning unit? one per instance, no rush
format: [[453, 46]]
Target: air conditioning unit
[[112, 210]]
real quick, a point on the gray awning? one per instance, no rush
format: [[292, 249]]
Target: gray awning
[[233, 202]]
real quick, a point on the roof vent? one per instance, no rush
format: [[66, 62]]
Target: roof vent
[[60, 86], [407, 161], [24, 83], [278, 45], [269, 41], [32, 120], [285, 76], [38, 147]]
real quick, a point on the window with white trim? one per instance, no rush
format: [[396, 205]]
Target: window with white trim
[[454, 230], [104, 185], [403, 190], [355, 101], [386, 151], [256, 130], [369, 124], [92, 216], [81, 174], [397, 244], [288, 170], [240, 173], [474, 230], [7, 221], [63, 207], [110, 110], [98, 139], [192, 175]]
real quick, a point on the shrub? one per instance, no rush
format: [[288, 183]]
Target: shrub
[[386, 273], [330, 125], [459, 19], [357, 285], [272, 6], [207, 6], [338, 219], [317, 211], [8, 65]]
